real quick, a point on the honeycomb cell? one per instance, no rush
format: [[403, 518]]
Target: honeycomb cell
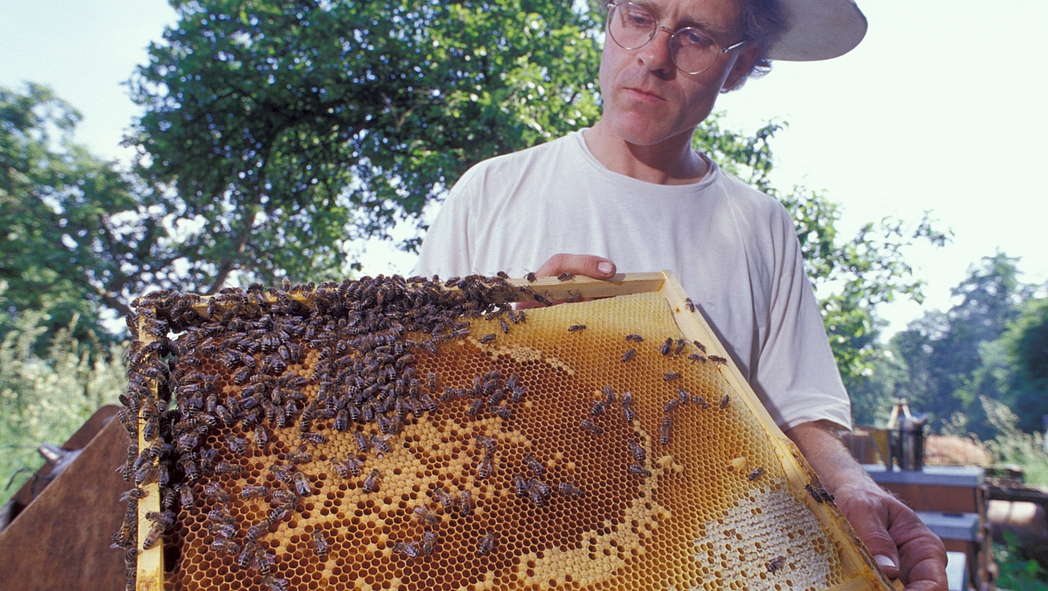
[[371, 433]]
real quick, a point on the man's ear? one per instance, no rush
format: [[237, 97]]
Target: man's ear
[[743, 64]]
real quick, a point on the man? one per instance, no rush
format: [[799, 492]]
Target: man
[[631, 195]]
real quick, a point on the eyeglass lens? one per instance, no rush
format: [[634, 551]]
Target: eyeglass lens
[[632, 26]]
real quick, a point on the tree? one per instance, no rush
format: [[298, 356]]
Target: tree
[[953, 359], [69, 221], [289, 127]]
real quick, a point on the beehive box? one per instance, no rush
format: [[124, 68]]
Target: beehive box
[[408, 434]]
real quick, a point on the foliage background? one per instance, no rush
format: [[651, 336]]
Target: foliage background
[[275, 132]]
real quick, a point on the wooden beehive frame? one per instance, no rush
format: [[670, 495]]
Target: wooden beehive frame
[[855, 559]]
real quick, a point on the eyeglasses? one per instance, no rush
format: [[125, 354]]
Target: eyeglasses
[[692, 50]]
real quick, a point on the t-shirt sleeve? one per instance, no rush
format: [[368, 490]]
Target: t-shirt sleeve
[[796, 372], [446, 248]]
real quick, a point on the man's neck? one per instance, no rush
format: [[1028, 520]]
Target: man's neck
[[672, 162]]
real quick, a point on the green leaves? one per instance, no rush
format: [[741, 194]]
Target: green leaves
[[346, 117]]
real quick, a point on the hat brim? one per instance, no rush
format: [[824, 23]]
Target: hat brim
[[819, 30]]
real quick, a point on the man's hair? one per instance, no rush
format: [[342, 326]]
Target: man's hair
[[763, 23]]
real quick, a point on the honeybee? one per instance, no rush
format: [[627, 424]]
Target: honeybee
[[520, 485], [627, 398], [444, 498], [627, 413], [487, 466], [237, 445], [775, 564], [670, 376], [599, 408], [534, 465], [565, 276], [756, 473], [629, 354], [185, 494], [423, 514], [341, 468], [518, 393], [361, 441], [261, 437], [134, 493], [355, 466], [225, 545], [409, 549], [637, 451], [153, 536], [665, 348], [487, 338], [466, 503], [253, 492], [697, 357], [569, 489], [665, 430], [432, 381], [302, 485], [530, 276], [504, 326], [717, 359], [381, 443], [636, 338], [671, 405], [315, 438], [638, 470], [699, 345], [371, 482], [320, 544], [576, 327], [701, 401], [488, 443], [542, 299], [429, 542], [300, 456], [487, 544], [591, 427], [341, 420], [689, 304], [724, 401], [503, 412], [213, 490]]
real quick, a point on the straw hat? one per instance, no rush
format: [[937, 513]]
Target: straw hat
[[819, 30]]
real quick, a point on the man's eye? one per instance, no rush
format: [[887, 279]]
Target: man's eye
[[694, 38], [637, 19]]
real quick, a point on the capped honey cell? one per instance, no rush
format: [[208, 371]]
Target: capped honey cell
[[414, 434]]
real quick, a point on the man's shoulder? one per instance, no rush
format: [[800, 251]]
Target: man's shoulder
[[553, 151], [750, 199]]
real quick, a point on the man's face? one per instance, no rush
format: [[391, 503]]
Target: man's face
[[647, 100]]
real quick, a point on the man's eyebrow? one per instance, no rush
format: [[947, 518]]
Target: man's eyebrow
[[686, 21]]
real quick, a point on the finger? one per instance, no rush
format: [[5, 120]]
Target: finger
[[922, 555], [578, 264], [871, 523]]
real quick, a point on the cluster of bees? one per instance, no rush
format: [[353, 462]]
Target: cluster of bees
[[364, 373], [282, 374]]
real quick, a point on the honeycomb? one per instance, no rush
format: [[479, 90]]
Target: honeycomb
[[407, 434]]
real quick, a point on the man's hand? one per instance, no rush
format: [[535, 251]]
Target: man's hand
[[586, 265], [900, 543], [895, 536], [579, 264]]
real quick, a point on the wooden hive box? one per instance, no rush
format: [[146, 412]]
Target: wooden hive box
[[405, 434]]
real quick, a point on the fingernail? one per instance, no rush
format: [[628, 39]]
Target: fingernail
[[883, 561], [606, 267]]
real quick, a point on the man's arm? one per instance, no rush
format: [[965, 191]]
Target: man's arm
[[898, 540]]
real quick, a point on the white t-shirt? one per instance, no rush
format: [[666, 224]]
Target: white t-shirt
[[733, 248]]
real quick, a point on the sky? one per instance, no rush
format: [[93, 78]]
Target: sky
[[938, 110]]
